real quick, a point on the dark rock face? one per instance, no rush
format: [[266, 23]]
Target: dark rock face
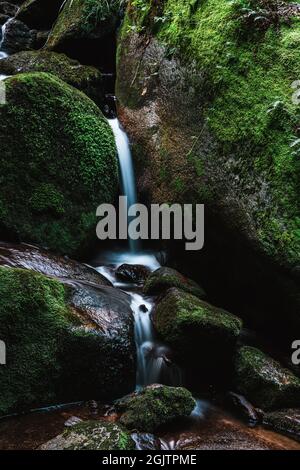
[[132, 273], [83, 28], [65, 341], [8, 9], [284, 421], [18, 37], [85, 78], [202, 336], [264, 381], [243, 407], [39, 14], [44, 262], [92, 435], [154, 406], [164, 278], [168, 109]]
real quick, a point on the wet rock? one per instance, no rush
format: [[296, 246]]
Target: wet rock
[[72, 421], [132, 273], [284, 421], [203, 337], [154, 406], [143, 308], [18, 37], [70, 341], [243, 407], [80, 20], [144, 441], [39, 14], [85, 78], [92, 435], [8, 9], [264, 381], [45, 262], [3, 19], [164, 278]]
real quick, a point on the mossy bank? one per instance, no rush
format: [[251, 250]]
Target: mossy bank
[[206, 92]]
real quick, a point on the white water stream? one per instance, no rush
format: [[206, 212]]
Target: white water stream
[[154, 363]]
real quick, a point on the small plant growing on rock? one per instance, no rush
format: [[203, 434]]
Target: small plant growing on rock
[[262, 14]]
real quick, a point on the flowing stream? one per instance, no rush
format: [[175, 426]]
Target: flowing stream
[[3, 54], [154, 359]]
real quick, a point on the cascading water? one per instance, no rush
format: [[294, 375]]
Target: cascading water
[[3, 54], [154, 363], [126, 170]]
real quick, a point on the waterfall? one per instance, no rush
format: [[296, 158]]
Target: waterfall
[[154, 359], [3, 54], [126, 170]]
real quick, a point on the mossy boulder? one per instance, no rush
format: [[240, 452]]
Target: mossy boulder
[[213, 119], [284, 421], [92, 435], [203, 337], [56, 347], [264, 381], [85, 78], [164, 278], [154, 406], [59, 162], [39, 14], [83, 19]]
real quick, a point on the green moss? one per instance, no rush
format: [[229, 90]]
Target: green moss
[[59, 162], [93, 435], [246, 98], [180, 312], [85, 78], [264, 381], [164, 278], [154, 406], [203, 337], [33, 321], [49, 346], [82, 18]]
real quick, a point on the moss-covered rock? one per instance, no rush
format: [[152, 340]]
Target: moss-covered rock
[[212, 109], [81, 19], [202, 336], [284, 421], [58, 163], [85, 78], [59, 348], [164, 278], [154, 406], [92, 435], [39, 14], [264, 381]]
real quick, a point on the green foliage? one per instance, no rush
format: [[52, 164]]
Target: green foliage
[[59, 162], [246, 97]]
